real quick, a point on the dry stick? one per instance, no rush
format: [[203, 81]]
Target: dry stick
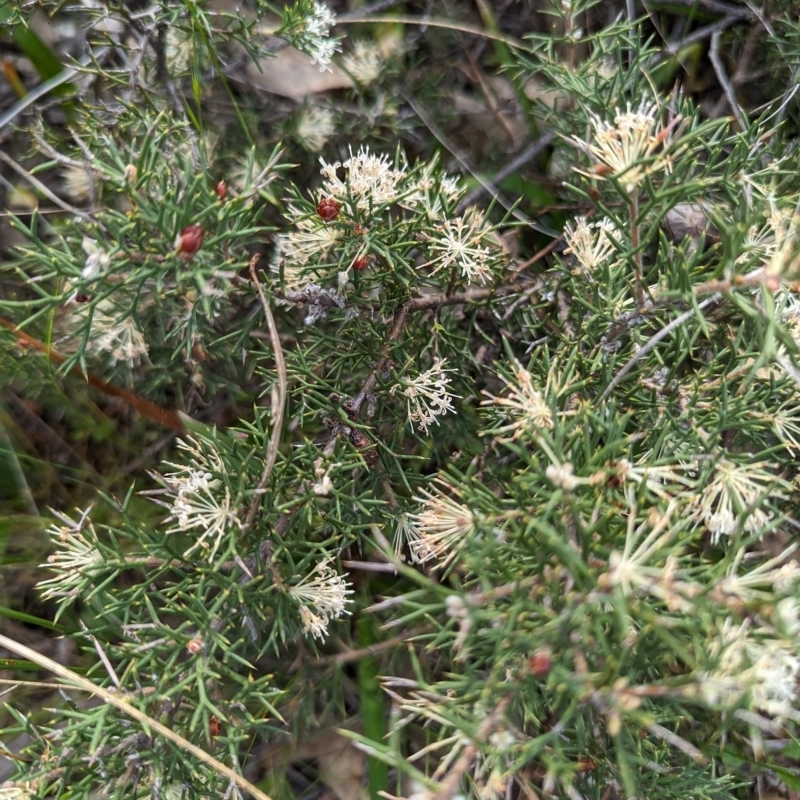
[[277, 413], [469, 167], [513, 166], [123, 704], [434, 22], [643, 351], [162, 415], [722, 77], [37, 184]]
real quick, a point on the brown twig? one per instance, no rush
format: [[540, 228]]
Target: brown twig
[[161, 415], [278, 403]]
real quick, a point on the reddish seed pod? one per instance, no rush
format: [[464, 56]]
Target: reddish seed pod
[[541, 662], [360, 263], [189, 241], [222, 191], [82, 298], [328, 209], [214, 726]]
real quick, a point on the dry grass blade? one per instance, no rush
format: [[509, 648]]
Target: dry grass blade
[[119, 702]]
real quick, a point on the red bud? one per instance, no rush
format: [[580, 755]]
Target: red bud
[[221, 190], [360, 263], [328, 209], [190, 241], [541, 662]]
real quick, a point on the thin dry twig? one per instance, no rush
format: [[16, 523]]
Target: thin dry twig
[[278, 404], [37, 184], [123, 704], [724, 81], [644, 350]]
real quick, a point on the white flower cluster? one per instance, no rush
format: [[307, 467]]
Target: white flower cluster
[[119, 339], [323, 595], [428, 395], [754, 663], [97, 259], [314, 38], [626, 150], [441, 524], [370, 180], [525, 405], [74, 557], [593, 243], [314, 126], [201, 501], [464, 242], [736, 490], [364, 63]]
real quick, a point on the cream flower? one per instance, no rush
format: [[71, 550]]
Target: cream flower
[[627, 148], [74, 558], [427, 395], [524, 405], [465, 243], [323, 595], [201, 501], [593, 243], [443, 523], [364, 63], [314, 126], [762, 666], [97, 259], [370, 180], [735, 490], [314, 36], [119, 339]]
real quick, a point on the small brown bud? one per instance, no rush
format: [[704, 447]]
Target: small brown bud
[[360, 263], [328, 209], [194, 646], [189, 241], [222, 191], [82, 298], [214, 726]]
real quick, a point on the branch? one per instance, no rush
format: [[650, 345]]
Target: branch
[[163, 416], [277, 405]]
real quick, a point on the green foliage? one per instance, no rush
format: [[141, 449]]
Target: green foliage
[[546, 503]]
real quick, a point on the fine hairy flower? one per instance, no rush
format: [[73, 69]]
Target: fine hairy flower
[[97, 259], [364, 63], [777, 574], [370, 180], [323, 596], [442, 523], [626, 149], [74, 557], [464, 243], [633, 568], [762, 666], [201, 501], [119, 339], [524, 405], [312, 35], [314, 126], [593, 244], [295, 249], [736, 490], [428, 395]]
